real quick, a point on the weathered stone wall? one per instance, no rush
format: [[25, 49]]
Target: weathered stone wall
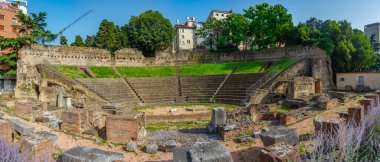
[[301, 87], [83, 56]]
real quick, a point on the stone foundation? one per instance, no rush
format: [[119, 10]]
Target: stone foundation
[[355, 115], [125, 128], [36, 148]]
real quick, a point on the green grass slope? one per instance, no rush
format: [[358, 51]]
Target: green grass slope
[[103, 72], [162, 71], [70, 71]]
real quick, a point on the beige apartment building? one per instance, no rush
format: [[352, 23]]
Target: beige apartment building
[[185, 35], [219, 15], [364, 79]]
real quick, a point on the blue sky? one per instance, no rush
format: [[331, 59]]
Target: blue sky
[[63, 12]]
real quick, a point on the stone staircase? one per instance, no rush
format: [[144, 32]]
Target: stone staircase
[[200, 89], [234, 89], [112, 90], [155, 90]]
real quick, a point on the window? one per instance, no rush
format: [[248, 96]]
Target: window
[[14, 20], [2, 17], [183, 36], [222, 15], [217, 14], [188, 41], [1, 27], [182, 30], [183, 42], [342, 79]]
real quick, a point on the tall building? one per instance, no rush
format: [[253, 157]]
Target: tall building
[[8, 11], [185, 35], [373, 29]]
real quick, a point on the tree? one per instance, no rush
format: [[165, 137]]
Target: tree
[[149, 32], [31, 29], [349, 49], [63, 41], [89, 41], [268, 24], [233, 32], [106, 37], [78, 41], [211, 31], [34, 26]]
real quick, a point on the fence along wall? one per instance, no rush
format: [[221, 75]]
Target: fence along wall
[[84, 56]]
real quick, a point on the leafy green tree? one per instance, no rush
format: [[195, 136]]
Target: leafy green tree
[[234, 29], [106, 37], [63, 41], [89, 41], [78, 41], [349, 49], [268, 24], [211, 32], [149, 32]]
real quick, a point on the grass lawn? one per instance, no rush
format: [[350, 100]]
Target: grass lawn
[[281, 65], [207, 69], [162, 71], [103, 72], [70, 71], [250, 67], [176, 125]]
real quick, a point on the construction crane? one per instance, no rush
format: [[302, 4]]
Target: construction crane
[[81, 17]]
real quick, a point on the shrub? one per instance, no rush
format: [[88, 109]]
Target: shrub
[[8, 152], [352, 142]]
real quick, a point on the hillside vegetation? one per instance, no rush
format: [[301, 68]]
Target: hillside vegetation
[[70, 71]]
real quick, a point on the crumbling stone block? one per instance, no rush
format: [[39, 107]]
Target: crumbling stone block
[[71, 122], [279, 152], [331, 126], [288, 119], [355, 114], [219, 117], [343, 114], [21, 127], [374, 97], [131, 146], [88, 154], [277, 135], [205, 151], [151, 148], [368, 104], [122, 129], [170, 145], [48, 135], [301, 87], [24, 110], [36, 148], [6, 130]]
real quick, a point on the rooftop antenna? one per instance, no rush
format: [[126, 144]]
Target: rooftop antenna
[[71, 24]]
